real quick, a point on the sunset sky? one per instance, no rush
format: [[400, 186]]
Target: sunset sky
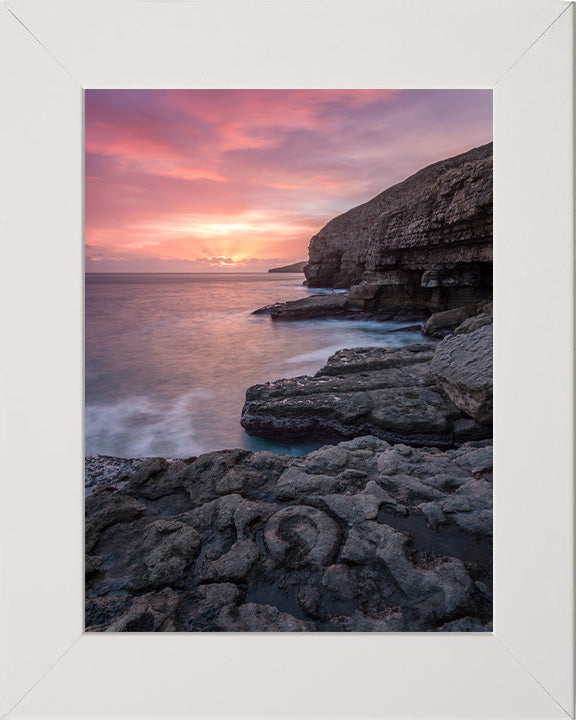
[[240, 180]]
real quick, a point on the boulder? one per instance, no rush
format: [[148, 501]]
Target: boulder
[[462, 367], [106, 470], [444, 323], [474, 323], [105, 507]]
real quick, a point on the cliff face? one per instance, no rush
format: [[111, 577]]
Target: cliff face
[[425, 243]]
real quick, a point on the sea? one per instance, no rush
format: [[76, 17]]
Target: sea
[[168, 358]]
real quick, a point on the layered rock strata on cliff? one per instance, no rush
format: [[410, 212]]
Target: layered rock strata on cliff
[[362, 536], [423, 244]]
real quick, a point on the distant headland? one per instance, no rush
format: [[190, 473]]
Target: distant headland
[[294, 268]]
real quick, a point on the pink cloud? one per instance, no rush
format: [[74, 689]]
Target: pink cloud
[[177, 175]]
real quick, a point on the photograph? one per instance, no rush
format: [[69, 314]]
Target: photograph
[[288, 360]]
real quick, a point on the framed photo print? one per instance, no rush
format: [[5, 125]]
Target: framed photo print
[[287, 386]]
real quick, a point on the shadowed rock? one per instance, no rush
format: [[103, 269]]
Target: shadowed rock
[[301, 535], [362, 536], [389, 393], [457, 321], [462, 367], [315, 306], [425, 243], [338, 306]]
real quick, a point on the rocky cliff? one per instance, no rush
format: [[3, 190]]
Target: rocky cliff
[[423, 244]]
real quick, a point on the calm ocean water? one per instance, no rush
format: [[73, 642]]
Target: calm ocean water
[[169, 358]]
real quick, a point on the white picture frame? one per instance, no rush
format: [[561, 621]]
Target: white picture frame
[[50, 51]]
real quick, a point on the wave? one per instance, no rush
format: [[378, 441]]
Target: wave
[[375, 327], [365, 333], [320, 355], [325, 291], [139, 426]]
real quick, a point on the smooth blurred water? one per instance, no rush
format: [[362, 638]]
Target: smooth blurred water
[[169, 358]]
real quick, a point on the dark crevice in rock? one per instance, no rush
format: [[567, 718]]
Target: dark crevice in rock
[[446, 541]]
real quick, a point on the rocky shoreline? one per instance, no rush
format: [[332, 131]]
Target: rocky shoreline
[[361, 536], [422, 394], [387, 529], [335, 306]]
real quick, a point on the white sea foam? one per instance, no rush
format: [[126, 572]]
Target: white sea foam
[[169, 358], [139, 426], [320, 355], [357, 334], [325, 291]]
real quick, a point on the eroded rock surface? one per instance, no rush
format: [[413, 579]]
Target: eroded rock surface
[[103, 470], [390, 393], [361, 536]]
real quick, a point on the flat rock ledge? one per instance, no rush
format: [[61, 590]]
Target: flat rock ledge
[[337, 305], [388, 393], [362, 536]]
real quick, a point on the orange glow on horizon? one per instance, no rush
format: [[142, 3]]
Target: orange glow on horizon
[[193, 180]]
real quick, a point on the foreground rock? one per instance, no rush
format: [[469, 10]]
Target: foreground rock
[[362, 536], [106, 470], [425, 243], [462, 367], [389, 393]]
